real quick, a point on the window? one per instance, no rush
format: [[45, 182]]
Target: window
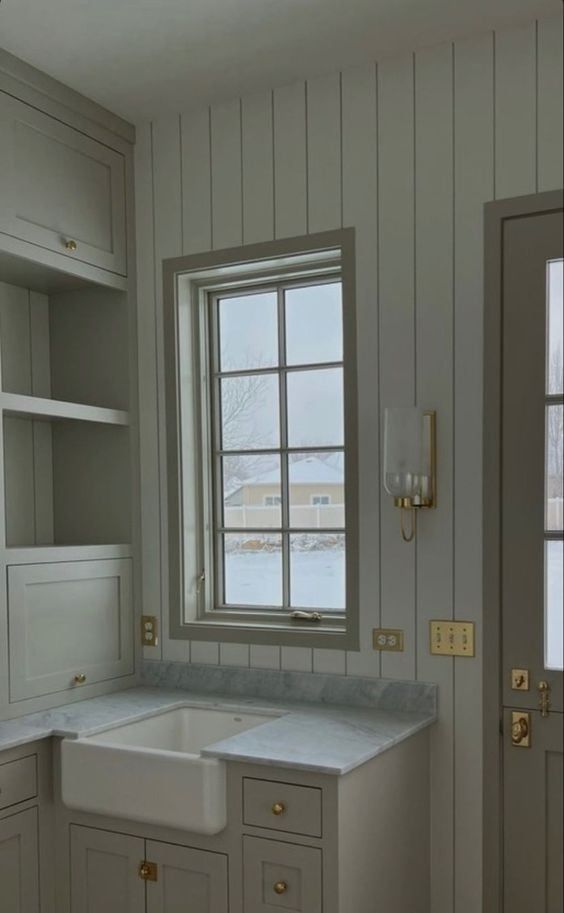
[[554, 468], [261, 421]]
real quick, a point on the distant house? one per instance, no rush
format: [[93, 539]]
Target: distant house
[[317, 497]]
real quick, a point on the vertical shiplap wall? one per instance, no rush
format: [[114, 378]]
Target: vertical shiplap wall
[[407, 151]]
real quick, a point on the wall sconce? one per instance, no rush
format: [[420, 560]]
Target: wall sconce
[[410, 462]]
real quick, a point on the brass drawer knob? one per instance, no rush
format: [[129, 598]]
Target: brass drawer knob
[[71, 245], [280, 887], [79, 678], [278, 808]]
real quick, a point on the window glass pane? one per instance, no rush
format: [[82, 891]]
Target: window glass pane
[[554, 599], [250, 412], [253, 569], [317, 571], [248, 332], [554, 467], [314, 324], [251, 491], [554, 368], [317, 490], [315, 408]]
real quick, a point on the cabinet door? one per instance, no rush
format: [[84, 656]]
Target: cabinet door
[[68, 619], [188, 881], [281, 876], [58, 185], [19, 863], [105, 872]]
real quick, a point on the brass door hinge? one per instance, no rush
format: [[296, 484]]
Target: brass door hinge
[[148, 871]]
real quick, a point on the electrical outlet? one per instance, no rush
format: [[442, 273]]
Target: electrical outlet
[[149, 631], [452, 638], [389, 639]]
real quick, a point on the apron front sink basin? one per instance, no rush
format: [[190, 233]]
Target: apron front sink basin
[[152, 771]]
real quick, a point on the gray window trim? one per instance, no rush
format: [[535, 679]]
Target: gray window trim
[[190, 279]]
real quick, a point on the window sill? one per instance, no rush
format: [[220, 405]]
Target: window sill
[[287, 634]]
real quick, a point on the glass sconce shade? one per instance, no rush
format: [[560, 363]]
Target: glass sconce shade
[[408, 456]]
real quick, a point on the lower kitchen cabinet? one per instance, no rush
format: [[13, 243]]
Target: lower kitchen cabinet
[[281, 876], [118, 873], [19, 863]]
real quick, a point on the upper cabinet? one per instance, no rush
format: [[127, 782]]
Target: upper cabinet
[[60, 189]]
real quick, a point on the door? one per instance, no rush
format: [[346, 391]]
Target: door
[[531, 562], [186, 880], [105, 872], [19, 863], [71, 623], [61, 189]]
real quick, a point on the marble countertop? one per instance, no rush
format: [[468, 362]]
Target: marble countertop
[[325, 738]]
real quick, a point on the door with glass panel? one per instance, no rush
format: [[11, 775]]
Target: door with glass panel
[[531, 562]]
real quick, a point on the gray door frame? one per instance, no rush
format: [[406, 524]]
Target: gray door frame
[[495, 214]]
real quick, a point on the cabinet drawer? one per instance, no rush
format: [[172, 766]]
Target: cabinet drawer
[[60, 189], [18, 781], [71, 623], [281, 876], [282, 807]]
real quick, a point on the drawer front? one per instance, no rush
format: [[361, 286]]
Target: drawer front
[[281, 876], [18, 781], [282, 807], [71, 623], [59, 186]]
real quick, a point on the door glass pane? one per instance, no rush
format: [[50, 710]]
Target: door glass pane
[[554, 467], [250, 412], [251, 491], [315, 408], [555, 327], [317, 490], [317, 571], [314, 324], [248, 332], [554, 605], [253, 569]]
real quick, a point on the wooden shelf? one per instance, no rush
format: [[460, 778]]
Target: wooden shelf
[[52, 409]]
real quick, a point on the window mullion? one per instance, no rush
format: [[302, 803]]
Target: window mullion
[[284, 470]]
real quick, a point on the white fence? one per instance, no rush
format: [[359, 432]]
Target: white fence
[[305, 516]]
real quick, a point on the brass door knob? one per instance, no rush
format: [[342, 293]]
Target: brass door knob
[[71, 245], [79, 678], [519, 731], [278, 808], [280, 887]]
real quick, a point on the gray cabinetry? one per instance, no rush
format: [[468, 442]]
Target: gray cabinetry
[[19, 865], [281, 876], [105, 872], [107, 875], [60, 189]]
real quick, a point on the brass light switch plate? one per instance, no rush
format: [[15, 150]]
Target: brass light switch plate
[[390, 639], [452, 638], [520, 679], [149, 631]]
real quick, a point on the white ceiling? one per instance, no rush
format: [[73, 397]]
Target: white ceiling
[[143, 57]]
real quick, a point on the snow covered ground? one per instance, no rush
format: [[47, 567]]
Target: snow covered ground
[[317, 578]]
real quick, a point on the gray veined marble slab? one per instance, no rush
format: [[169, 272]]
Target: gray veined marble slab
[[354, 691], [322, 737]]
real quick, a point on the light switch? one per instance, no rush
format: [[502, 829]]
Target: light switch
[[452, 638]]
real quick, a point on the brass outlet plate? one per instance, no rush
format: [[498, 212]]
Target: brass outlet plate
[[520, 679], [388, 639], [452, 638], [149, 631]]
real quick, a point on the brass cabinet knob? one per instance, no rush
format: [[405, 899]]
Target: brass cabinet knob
[[278, 808], [71, 245], [519, 731], [79, 678], [280, 887]]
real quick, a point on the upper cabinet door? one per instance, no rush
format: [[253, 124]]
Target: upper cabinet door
[[61, 189]]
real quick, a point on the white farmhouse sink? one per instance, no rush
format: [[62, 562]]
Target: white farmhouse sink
[[152, 771]]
